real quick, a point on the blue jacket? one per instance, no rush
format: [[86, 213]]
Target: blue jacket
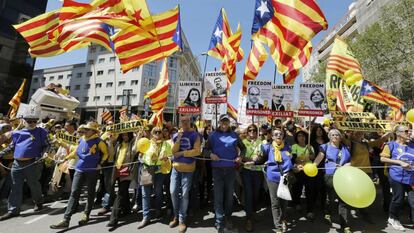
[[89, 155], [29, 143], [273, 167], [224, 145], [334, 156], [406, 154]]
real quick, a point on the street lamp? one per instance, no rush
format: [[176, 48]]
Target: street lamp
[[126, 100]]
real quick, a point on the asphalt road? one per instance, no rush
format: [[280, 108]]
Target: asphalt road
[[203, 221]]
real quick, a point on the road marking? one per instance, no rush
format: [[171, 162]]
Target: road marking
[[44, 215]]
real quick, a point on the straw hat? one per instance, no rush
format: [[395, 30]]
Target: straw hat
[[92, 126]]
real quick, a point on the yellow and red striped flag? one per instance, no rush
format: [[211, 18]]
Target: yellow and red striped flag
[[225, 46], [134, 50], [157, 118], [15, 101], [35, 32], [106, 116], [287, 27], [123, 117], [232, 111], [159, 94], [255, 61]]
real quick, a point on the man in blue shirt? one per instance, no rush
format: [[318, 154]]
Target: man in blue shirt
[[28, 146]]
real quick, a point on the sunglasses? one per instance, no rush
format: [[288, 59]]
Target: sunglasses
[[405, 131], [335, 135], [31, 121], [278, 134], [157, 132]]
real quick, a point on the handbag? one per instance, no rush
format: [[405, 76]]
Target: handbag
[[147, 175], [283, 189], [123, 171]]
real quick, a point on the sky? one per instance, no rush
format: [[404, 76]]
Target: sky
[[198, 18]]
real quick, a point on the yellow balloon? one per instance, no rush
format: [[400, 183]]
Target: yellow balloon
[[353, 79], [166, 167], [354, 187], [327, 121], [143, 145], [348, 74], [310, 169], [410, 115]]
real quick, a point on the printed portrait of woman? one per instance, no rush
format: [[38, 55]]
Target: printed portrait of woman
[[193, 98], [317, 98]]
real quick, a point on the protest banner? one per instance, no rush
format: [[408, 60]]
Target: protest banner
[[282, 100], [361, 126], [353, 115], [189, 97], [66, 138], [259, 98], [210, 113], [312, 99], [125, 127], [215, 86]]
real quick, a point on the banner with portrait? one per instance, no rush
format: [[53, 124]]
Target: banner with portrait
[[312, 99], [189, 97], [215, 87], [210, 113], [282, 100], [259, 98]]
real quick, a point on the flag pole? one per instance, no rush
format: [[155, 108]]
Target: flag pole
[[94, 80], [115, 96], [202, 84]]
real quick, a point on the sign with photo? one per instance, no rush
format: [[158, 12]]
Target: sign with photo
[[259, 98], [312, 99], [210, 113], [189, 97], [215, 85], [282, 100]]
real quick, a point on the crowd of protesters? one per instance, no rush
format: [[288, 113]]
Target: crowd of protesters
[[187, 167]]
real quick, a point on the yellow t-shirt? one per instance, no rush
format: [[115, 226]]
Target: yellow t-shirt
[[121, 156]]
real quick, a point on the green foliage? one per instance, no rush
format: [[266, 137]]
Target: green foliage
[[319, 74], [386, 49]]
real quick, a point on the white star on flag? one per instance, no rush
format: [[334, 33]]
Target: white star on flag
[[368, 87], [263, 9], [218, 32]]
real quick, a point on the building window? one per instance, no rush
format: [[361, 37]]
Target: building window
[[111, 71], [69, 76], [79, 75], [111, 59], [35, 80], [77, 98], [60, 77], [85, 99], [172, 75], [67, 88], [96, 98], [109, 84], [134, 96], [150, 70], [51, 78], [103, 48], [121, 83], [44, 79], [92, 49], [100, 72], [134, 82], [34, 90], [89, 74], [172, 62], [87, 86], [101, 60], [90, 62], [77, 87], [119, 97], [108, 98], [98, 85], [151, 82], [135, 69]]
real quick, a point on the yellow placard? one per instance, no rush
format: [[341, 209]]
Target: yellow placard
[[361, 126], [358, 115], [67, 138], [125, 127]]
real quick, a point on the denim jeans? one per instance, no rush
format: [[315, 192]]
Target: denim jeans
[[223, 178], [252, 182], [79, 179], [109, 195], [194, 202], [397, 201], [146, 195], [32, 175], [180, 184]]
